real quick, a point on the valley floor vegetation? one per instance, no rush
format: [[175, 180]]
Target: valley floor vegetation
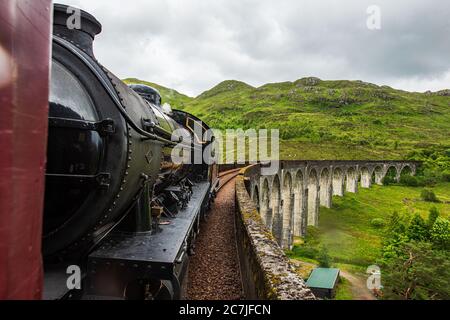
[[402, 227]]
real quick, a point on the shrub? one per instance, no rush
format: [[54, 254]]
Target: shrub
[[388, 180], [432, 217], [377, 223], [305, 251], [440, 234], [324, 258], [409, 181], [446, 175], [398, 224], [428, 196], [429, 181], [418, 229]]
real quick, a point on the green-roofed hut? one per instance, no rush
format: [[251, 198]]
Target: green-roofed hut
[[323, 282]]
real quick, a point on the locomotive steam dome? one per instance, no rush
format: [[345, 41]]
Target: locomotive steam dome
[[83, 34]]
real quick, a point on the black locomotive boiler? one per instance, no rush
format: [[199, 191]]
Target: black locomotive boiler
[[116, 206]]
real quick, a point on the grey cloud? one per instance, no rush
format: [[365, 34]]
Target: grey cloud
[[191, 45]]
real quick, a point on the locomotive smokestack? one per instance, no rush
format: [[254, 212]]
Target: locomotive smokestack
[[76, 25]]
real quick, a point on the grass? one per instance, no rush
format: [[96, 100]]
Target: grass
[[344, 290], [346, 229]]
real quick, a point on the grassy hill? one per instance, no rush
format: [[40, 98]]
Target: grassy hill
[[327, 119]]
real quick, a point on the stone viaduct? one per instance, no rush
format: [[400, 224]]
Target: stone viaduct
[[289, 201]]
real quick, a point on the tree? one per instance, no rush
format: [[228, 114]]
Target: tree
[[418, 272], [418, 229], [440, 234], [395, 236], [324, 258], [397, 224], [393, 244], [432, 217]]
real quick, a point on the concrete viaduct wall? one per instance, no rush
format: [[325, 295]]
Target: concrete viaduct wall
[[289, 200]]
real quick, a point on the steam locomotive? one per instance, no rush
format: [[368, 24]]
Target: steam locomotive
[[117, 207]]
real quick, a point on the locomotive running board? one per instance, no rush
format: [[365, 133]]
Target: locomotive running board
[[123, 258]]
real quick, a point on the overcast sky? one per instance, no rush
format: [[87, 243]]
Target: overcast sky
[[191, 45]]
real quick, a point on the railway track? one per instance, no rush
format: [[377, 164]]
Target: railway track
[[226, 176], [214, 272]]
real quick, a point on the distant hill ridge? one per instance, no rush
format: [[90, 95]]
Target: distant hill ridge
[[320, 119]]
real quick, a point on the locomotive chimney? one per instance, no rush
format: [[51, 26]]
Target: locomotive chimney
[[76, 25]]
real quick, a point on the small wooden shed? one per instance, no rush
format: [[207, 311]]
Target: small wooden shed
[[323, 282]]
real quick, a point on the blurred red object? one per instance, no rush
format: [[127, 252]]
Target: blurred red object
[[25, 42]]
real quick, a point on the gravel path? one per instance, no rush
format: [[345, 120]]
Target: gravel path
[[359, 287], [214, 269]]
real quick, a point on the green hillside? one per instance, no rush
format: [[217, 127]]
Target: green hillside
[[328, 119]]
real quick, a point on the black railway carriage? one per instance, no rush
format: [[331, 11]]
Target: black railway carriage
[[116, 205]]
